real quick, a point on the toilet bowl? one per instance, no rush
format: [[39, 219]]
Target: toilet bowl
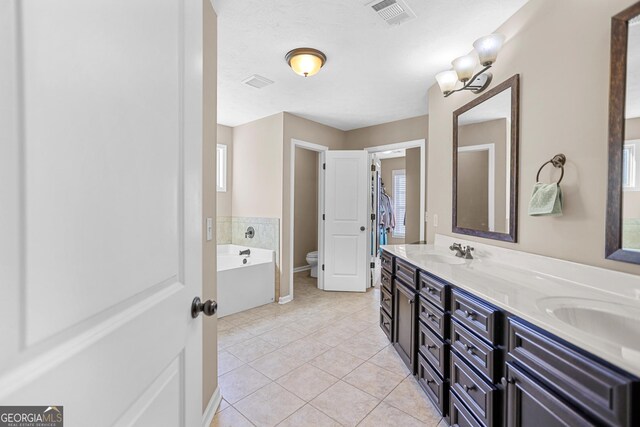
[[312, 260]]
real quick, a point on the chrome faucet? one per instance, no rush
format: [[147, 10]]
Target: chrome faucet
[[462, 252], [458, 248], [246, 252]]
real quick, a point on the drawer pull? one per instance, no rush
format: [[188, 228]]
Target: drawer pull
[[386, 299], [469, 388], [505, 381], [430, 381], [469, 349], [385, 323], [431, 316], [430, 346], [411, 301], [469, 314], [431, 290]]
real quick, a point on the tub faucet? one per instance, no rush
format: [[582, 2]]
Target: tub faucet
[[249, 233], [246, 252]]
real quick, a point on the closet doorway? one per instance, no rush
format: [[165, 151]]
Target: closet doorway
[[397, 202]]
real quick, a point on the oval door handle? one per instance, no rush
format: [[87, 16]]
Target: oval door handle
[[209, 307], [362, 228]]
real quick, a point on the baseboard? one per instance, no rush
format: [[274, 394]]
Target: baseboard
[[304, 268], [212, 407], [284, 300]]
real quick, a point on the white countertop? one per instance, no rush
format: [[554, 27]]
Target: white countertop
[[595, 309]]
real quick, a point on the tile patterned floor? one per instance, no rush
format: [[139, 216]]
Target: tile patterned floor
[[320, 360]]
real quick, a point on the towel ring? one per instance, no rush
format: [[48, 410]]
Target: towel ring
[[557, 161]]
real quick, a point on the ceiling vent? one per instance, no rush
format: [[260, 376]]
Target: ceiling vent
[[394, 12], [257, 81]]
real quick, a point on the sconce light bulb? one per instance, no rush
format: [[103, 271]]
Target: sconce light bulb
[[487, 48], [447, 81]]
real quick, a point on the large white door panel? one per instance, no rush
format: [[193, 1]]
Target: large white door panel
[[100, 212], [346, 196]]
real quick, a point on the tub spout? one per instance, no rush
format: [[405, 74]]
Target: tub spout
[[246, 252]]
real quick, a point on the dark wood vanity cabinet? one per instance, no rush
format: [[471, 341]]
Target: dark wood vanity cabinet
[[481, 366], [404, 321]]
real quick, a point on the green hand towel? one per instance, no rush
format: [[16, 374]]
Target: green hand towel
[[546, 200]]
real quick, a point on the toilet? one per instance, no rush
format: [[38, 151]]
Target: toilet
[[312, 260]]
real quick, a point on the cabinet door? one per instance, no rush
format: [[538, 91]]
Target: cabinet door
[[530, 404], [405, 324]]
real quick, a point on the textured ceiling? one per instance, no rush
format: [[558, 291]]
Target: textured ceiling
[[374, 73]]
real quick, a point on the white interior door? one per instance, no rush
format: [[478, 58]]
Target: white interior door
[[346, 198], [100, 209]]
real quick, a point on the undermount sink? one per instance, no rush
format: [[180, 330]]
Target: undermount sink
[[616, 323], [446, 259]]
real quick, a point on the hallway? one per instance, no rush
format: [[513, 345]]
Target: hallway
[[321, 360]]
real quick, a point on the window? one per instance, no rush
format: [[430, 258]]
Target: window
[[221, 168], [399, 201], [630, 166]]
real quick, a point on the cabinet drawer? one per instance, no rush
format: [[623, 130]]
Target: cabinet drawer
[[484, 357], [433, 349], [477, 316], [479, 396], [585, 382], [434, 290], [386, 301], [385, 280], [386, 261], [435, 388], [529, 404], [385, 324], [405, 271], [459, 415], [434, 318]]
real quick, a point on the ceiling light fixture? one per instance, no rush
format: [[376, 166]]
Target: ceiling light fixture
[[485, 53], [305, 61]]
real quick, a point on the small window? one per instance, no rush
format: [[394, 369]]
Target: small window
[[399, 201], [630, 166], [221, 168]]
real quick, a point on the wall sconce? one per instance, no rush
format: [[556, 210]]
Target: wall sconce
[[485, 53]]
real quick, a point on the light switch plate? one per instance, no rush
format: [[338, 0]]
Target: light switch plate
[[209, 229]]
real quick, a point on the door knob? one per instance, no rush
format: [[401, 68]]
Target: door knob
[[209, 307], [362, 228]]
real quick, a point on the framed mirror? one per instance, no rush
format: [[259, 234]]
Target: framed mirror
[[485, 164], [623, 199]]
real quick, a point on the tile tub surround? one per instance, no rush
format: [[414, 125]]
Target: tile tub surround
[[527, 285], [267, 233], [223, 230], [350, 376]]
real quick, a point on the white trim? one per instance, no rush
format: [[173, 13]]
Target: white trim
[[301, 269], [288, 298], [221, 166], [394, 173], [492, 178], [212, 407], [418, 143], [292, 175]]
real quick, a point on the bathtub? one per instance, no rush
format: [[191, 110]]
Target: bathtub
[[244, 285]]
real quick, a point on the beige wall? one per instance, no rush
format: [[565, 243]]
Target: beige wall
[[387, 166], [306, 206], [388, 133], [490, 132], [257, 168], [308, 131], [209, 291], [473, 190], [632, 128], [225, 137], [412, 167], [546, 39]]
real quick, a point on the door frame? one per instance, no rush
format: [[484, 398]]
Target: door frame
[[491, 196], [417, 143], [320, 149]]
